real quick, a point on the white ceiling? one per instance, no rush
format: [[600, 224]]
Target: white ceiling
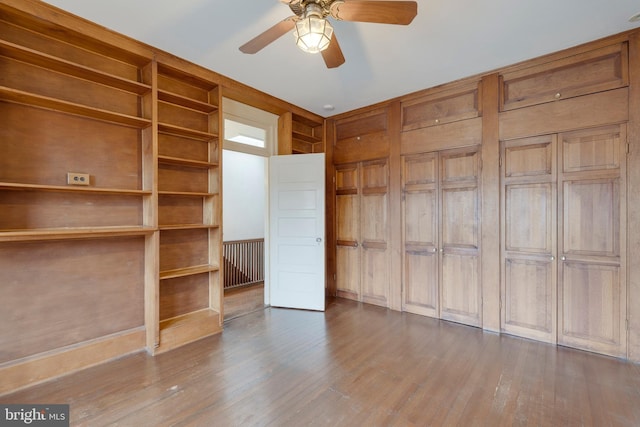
[[448, 40]]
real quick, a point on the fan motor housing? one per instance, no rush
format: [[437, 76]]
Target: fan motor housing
[[299, 7]]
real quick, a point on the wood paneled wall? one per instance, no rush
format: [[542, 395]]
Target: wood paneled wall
[[587, 87]]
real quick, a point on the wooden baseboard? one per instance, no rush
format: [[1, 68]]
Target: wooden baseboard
[[181, 330], [44, 367]]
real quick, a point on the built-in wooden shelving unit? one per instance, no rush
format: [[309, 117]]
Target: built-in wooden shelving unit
[[189, 123], [76, 260], [307, 135], [131, 258]]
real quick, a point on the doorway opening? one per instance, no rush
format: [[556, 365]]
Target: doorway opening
[[249, 138]]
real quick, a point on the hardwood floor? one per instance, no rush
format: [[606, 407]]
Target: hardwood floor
[[240, 301], [356, 364]]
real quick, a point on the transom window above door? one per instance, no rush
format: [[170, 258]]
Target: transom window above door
[[244, 134]]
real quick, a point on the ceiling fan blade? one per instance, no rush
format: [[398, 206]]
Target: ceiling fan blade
[[332, 55], [272, 34], [381, 12]]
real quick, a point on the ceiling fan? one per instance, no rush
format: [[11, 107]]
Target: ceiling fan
[[314, 33]]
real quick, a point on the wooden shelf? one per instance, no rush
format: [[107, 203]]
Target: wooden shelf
[[306, 138], [186, 227], [186, 77], [305, 130], [187, 328], [183, 101], [185, 193], [187, 271], [186, 162], [21, 97], [72, 189], [186, 132], [63, 66], [72, 233]]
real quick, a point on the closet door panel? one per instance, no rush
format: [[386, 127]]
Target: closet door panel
[[348, 272], [529, 272], [592, 150], [375, 274], [420, 169], [529, 238], [375, 176], [347, 224], [591, 299], [460, 293], [348, 232], [420, 218], [374, 226], [421, 215], [529, 298], [460, 289], [592, 294], [421, 292], [591, 217], [460, 217], [529, 218], [375, 254], [373, 219]]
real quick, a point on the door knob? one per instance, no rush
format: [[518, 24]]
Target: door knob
[[318, 239], [552, 258]]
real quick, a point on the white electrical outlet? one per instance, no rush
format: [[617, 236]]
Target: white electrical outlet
[[74, 178]]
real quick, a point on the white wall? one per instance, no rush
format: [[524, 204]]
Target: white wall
[[243, 204]]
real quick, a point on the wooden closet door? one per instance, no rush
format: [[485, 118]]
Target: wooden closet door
[[348, 231], [374, 231], [460, 290], [592, 292], [528, 225], [420, 214]]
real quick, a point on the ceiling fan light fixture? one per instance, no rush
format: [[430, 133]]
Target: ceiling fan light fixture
[[313, 33]]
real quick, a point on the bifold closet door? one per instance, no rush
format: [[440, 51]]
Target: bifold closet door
[[441, 255], [362, 249], [564, 239]]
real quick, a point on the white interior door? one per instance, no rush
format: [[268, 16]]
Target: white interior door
[[297, 248]]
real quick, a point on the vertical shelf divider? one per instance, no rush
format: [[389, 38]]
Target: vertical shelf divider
[[150, 208]]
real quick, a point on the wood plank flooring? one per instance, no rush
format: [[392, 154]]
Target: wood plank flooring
[[240, 301], [355, 365]]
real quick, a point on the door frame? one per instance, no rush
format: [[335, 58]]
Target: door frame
[[253, 116]]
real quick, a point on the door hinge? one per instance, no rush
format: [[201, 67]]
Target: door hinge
[[335, 277], [626, 321], [628, 148], [500, 161]]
